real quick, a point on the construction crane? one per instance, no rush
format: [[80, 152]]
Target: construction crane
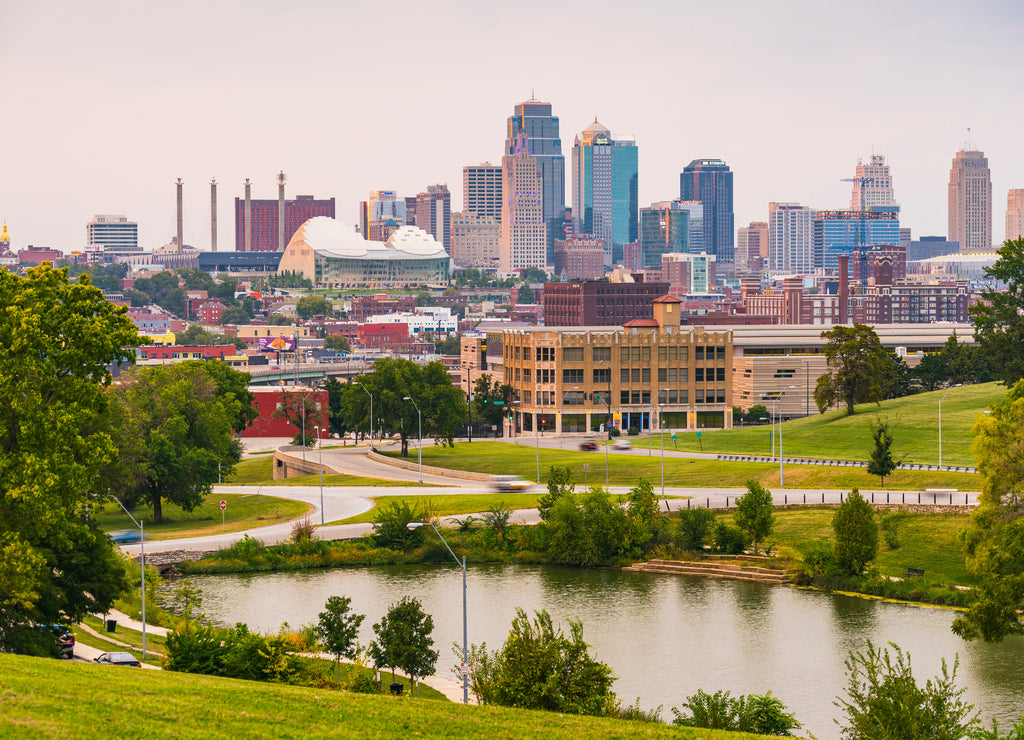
[[863, 181]]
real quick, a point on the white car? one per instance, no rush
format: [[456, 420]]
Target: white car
[[509, 483], [622, 444]]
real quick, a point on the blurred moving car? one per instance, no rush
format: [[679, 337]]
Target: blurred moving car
[[588, 446], [125, 536], [64, 636], [118, 659], [509, 483], [622, 444]]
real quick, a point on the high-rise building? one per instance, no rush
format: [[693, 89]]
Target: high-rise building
[[604, 189], [380, 207], [534, 117], [115, 234], [842, 232], [481, 190], [790, 238], [930, 246], [710, 182], [689, 273], [695, 238], [970, 202], [580, 258], [475, 240], [434, 214], [663, 230], [752, 246], [872, 185], [264, 231], [523, 242], [1014, 214]]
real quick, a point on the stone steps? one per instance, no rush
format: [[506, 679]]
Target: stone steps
[[711, 570]]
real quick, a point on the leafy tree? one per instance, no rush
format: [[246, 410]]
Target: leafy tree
[[312, 305], [695, 526], [58, 339], [174, 429], [534, 275], [884, 701], [857, 364], [999, 316], [335, 394], [300, 410], [931, 372], [163, 289], [423, 298], [234, 315], [897, 379], [758, 412], [994, 539], [337, 343], [856, 533], [280, 319], [754, 512], [491, 400], [881, 462], [525, 295], [197, 335], [338, 629], [404, 641], [450, 345], [539, 667], [560, 483], [588, 529]]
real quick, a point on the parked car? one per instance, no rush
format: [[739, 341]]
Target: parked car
[[509, 483], [64, 636], [622, 444], [118, 659], [588, 446], [125, 536]]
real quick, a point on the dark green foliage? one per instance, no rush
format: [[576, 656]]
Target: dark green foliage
[[695, 526], [857, 368], [995, 613], [757, 412], [754, 513], [525, 295], [881, 462], [312, 305], [884, 701], [232, 653], [197, 335], [999, 316], [404, 641], [338, 628], [587, 529], [491, 401], [891, 529], [337, 342], [728, 540], [539, 667], [1017, 733], [856, 532], [390, 527], [559, 483], [761, 714]]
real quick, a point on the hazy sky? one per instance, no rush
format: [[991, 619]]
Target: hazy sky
[[105, 103]]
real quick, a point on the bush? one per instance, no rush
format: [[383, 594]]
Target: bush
[[633, 431], [890, 529], [390, 527], [303, 531], [728, 540], [695, 525], [761, 714]]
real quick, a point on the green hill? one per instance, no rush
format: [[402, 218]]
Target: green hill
[[47, 698]]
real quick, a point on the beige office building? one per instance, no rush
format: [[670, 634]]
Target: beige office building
[[475, 240], [970, 202], [1015, 214], [524, 236]]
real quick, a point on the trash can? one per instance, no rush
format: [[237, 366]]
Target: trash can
[[396, 689], [111, 625]]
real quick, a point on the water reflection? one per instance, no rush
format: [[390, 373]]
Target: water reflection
[[665, 636]]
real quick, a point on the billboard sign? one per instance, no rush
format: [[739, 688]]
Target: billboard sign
[[277, 344]]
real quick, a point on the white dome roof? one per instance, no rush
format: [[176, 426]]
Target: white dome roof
[[330, 236]]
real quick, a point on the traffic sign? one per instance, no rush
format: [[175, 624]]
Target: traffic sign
[[464, 670], [223, 505], [698, 435]]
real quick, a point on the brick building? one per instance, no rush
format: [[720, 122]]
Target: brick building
[[599, 302], [264, 220]]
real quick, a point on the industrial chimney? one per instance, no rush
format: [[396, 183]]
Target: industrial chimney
[[280, 211], [213, 215], [180, 237], [248, 216]]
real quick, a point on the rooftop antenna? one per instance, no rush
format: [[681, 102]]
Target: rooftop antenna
[[969, 144]]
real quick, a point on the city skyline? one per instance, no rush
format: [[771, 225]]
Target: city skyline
[[108, 108]]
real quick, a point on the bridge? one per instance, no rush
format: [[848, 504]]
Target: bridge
[[274, 374]]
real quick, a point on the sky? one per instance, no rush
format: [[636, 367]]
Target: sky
[[106, 104]]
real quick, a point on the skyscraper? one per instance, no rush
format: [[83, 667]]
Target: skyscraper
[[481, 190], [790, 238], [381, 207], [752, 246], [115, 234], [843, 232], [523, 237], [663, 230], [434, 214], [710, 182], [1015, 214], [605, 189], [872, 185], [534, 117], [970, 202]]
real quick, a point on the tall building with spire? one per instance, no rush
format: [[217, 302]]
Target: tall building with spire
[[1015, 214], [605, 196], [872, 185], [710, 182], [541, 127], [970, 202], [523, 237]]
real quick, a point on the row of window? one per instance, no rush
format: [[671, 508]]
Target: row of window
[[629, 398], [626, 354], [626, 375]]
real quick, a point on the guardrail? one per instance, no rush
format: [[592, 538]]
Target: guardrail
[[841, 463]]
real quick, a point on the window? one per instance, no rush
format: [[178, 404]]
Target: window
[[645, 354], [517, 353], [634, 353], [624, 375], [527, 373], [602, 375], [684, 353], [623, 397], [572, 354], [662, 353], [645, 375], [698, 354], [572, 376], [684, 396], [574, 398], [545, 375], [672, 375], [719, 353], [545, 354], [720, 395], [645, 398], [720, 374], [527, 396], [635, 373], [634, 397], [673, 353], [602, 354], [698, 374], [663, 375], [698, 396], [623, 354]]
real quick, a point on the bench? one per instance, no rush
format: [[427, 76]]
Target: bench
[[915, 572]]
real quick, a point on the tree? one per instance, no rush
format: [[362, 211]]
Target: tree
[[857, 364], [525, 295], [883, 700], [491, 400], [58, 340], [312, 305], [234, 315], [856, 533], [588, 529], [559, 484], [539, 667], [881, 462], [931, 372], [534, 274], [999, 316], [757, 412], [337, 342], [300, 409], [754, 512], [338, 628], [450, 345], [695, 525], [196, 335], [404, 641], [175, 431]]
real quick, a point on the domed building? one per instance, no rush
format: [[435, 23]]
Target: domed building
[[333, 255]]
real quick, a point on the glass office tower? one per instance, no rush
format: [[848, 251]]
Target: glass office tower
[[710, 182]]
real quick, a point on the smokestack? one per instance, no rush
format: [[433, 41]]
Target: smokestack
[[213, 215], [844, 287], [248, 216], [180, 238], [280, 211]]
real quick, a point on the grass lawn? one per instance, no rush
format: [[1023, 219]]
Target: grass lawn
[[503, 458], [243, 511], [52, 698], [927, 541], [260, 472], [452, 505], [837, 436]]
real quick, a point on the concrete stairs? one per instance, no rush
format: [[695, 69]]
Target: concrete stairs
[[712, 569]]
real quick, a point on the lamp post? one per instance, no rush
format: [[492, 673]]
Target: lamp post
[[608, 418], [465, 628], [536, 434], [661, 433], [419, 442], [142, 553], [371, 410], [782, 471], [940, 418], [807, 387], [320, 463]]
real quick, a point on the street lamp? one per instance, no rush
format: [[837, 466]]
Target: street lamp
[[320, 453], [608, 418], [661, 433], [782, 471], [419, 442], [465, 629], [142, 553], [940, 418], [371, 410]]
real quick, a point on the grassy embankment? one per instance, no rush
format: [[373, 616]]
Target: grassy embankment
[[50, 698], [260, 472], [454, 505]]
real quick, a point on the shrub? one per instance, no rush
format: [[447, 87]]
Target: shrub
[[390, 528], [694, 527], [856, 532], [890, 529], [761, 714], [728, 539], [303, 531], [633, 431]]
